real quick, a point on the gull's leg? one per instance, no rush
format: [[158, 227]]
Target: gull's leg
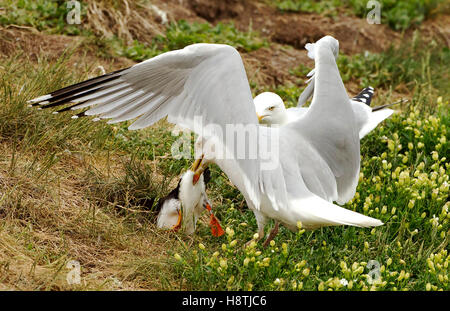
[[261, 220], [272, 234]]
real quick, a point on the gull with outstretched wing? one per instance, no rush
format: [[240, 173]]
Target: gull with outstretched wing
[[204, 88]]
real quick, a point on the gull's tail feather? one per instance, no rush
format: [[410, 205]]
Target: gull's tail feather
[[375, 118], [315, 212]]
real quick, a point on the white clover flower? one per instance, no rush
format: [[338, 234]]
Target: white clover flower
[[344, 282]]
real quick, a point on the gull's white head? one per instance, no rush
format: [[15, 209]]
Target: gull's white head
[[270, 109]]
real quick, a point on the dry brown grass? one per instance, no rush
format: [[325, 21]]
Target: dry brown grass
[[78, 207], [48, 221], [56, 202], [127, 20]]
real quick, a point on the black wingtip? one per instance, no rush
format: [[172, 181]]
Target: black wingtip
[[72, 92], [365, 96]]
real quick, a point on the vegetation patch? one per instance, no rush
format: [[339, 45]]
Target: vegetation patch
[[77, 190], [399, 15]]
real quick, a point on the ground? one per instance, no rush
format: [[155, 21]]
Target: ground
[[82, 193]]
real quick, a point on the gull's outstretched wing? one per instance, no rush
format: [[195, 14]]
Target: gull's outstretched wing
[[202, 87], [199, 80], [329, 125], [308, 91]]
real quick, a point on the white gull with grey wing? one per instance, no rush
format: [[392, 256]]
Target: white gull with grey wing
[[208, 81], [271, 110]]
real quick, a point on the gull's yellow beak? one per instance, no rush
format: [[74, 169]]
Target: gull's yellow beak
[[198, 167], [259, 117]]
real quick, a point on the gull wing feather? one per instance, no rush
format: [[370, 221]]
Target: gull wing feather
[[329, 125], [309, 201], [195, 87]]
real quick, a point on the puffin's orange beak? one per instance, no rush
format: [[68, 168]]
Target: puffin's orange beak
[[214, 224]]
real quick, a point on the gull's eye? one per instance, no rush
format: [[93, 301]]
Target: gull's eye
[[271, 108]]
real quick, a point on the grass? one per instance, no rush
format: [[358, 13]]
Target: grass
[[68, 191], [50, 16], [84, 191], [404, 66], [43, 15], [399, 15], [403, 182], [180, 34]]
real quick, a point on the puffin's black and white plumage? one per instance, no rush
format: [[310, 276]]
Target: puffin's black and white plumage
[[182, 207]]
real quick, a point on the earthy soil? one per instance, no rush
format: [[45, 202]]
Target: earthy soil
[[36, 45], [286, 32], [297, 29]]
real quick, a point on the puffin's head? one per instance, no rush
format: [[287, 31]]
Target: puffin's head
[[191, 196]]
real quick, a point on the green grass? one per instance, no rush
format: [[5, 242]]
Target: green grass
[[43, 15], [74, 189], [180, 34], [399, 15], [412, 63], [50, 16], [409, 67], [404, 182], [71, 182]]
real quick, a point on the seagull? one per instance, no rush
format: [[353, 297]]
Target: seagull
[[204, 88], [270, 110], [182, 207]]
